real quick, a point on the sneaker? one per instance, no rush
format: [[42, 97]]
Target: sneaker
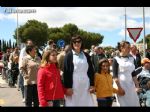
[[14, 86], [18, 88], [23, 101]]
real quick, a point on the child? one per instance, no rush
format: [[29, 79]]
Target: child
[[50, 88], [144, 70], [147, 94], [104, 84]]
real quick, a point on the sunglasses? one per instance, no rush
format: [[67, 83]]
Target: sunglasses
[[79, 41]]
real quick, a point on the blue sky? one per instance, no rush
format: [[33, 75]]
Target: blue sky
[[7, 26], [7, 29], [108, 21]]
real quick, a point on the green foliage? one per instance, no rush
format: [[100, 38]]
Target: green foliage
[[10, 43], [34, 30], [65, 33], [69, 30], [91, 38], [4, 46], [147, 40], [7, 44], [55, 34], [109, 48], [0, 46], [13, 44], [40, 33]]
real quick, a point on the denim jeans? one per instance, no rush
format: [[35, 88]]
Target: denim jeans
[[55, 103], [21, 84], [105, 102]]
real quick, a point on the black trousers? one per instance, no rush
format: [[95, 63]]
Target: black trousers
[[14, 76], [55, 103], [31, 95], [105, 102]]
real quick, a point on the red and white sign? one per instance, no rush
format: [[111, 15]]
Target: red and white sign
[[134, 33]]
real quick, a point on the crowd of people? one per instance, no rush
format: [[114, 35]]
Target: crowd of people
[[69, 77]]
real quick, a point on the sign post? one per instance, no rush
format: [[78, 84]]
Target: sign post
[[134, 33], [60, 43]]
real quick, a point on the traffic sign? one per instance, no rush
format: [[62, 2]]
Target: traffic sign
[[134, 33], [60, 43]]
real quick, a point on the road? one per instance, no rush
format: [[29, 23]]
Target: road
[[9, 97]]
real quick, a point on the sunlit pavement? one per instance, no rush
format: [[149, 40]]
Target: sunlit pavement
[[9, 97]]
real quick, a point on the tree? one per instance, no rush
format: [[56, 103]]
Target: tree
[[4, 46], [108, 48], [7, 44], [90, 38], [71, 29], [0, 46], [10, 43], [13, 45], [40, 33], [147, 40], [34, 30], [55, 34]]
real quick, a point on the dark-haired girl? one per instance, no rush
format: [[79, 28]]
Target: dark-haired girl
[[104, 84]]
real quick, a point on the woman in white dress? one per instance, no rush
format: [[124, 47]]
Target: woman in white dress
[[78, 76], [123, 66]]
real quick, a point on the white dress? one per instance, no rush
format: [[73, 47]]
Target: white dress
[[81, 96], [125, 68]]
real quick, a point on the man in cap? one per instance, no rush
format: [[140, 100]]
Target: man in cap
[[144, 70]]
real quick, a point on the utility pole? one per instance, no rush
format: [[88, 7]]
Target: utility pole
[[17, 40], [125, 25], [144, 54]]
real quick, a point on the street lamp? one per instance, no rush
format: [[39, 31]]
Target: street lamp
[[125, 25], [144, 32], [17, 40]]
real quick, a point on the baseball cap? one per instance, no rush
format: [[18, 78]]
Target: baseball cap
[[145, 60]]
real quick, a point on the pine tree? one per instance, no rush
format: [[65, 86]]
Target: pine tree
[[13, 45], [7, 44], [0, 46], [10, 46], [4, 46]]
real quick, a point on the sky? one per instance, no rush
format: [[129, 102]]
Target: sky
[[107, 21]]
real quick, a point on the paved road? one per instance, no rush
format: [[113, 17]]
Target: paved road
[[11, 97]]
